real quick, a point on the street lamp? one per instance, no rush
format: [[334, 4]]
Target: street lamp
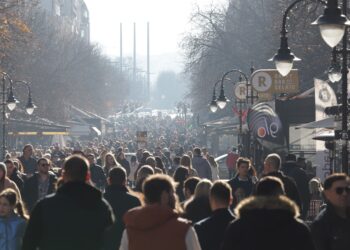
[[213, 106], [11, 103], [333, 27], [222, 101]]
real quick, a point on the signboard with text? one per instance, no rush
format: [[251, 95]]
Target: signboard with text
[[268, 82]]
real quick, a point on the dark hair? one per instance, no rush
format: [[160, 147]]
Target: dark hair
[[243, 160], [8, 161], [221, 191], [12, 197], [176, 160], [270, 186], [42, 159], [151, 161], [159, 163], [154, 186], [328, 182], [133, 158], [191, 183], [76, 167], [197, 151], [117, 175], [181, 174]]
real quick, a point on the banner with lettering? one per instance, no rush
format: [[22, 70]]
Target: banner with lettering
[[324, 97], [266, 126]]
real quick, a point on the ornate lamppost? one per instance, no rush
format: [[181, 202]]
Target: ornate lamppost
[[333, 26], [10, 102]]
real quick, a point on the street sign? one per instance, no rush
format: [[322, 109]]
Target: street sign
[[240, 90], [271, 82]]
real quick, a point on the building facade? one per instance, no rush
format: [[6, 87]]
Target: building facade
[[73, 12]]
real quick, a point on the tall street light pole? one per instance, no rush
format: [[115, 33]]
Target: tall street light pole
[[221, 101], [333, 26], [11, 103]]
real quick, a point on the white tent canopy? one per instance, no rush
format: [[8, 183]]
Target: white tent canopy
[[328, 122]]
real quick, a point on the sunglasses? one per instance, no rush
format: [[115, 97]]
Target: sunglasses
[[341, 190]]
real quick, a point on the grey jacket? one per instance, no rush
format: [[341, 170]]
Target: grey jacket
[[202, 167]]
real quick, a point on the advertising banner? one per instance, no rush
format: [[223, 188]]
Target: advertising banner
[[324, 97], [266, 126]]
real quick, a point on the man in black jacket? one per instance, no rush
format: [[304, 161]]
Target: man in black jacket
[[210, 231], [292, 169], [331, 228], [98, 177], [76, 217], [42, 183], [272, 165], [267, 220], [119, 197]]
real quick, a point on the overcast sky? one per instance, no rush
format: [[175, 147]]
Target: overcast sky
[[168, 20]]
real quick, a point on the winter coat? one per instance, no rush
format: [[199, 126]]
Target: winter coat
[[16, 178], [202, 166], [267, 223], [210, 231], [98, 176], [121, 201], [197, 209], [74, 218], [11, 232], [331, 232], [301, 179], [155, 227], [31, 189]]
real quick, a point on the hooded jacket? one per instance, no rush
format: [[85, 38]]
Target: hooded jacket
[[155, 227], [75, 218], [267, 223]]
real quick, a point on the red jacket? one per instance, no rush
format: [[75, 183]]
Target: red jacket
[[231, 160], [155, 227]]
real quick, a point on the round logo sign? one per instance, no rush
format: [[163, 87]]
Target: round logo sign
[[261, 81], [240, 91]]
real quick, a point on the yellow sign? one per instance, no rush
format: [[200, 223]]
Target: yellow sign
[[271, 82]]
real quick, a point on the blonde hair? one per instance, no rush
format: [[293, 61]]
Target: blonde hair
[[203, 188]]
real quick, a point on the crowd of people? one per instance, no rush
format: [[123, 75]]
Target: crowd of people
[[93, 197]]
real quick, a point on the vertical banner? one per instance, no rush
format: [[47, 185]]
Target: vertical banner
[[324, 97]]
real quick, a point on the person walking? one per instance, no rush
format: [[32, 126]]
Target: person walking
[[242, 184], [28, 161], [272, 166], [331, 228], [40, 184], [211, 230], [231, 159], [268, 220], [121, 200], [75, 217], [13, 219], [201, 165], [157, 225], [97, 174]]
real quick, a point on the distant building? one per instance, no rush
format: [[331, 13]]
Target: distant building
[[74, 13]]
